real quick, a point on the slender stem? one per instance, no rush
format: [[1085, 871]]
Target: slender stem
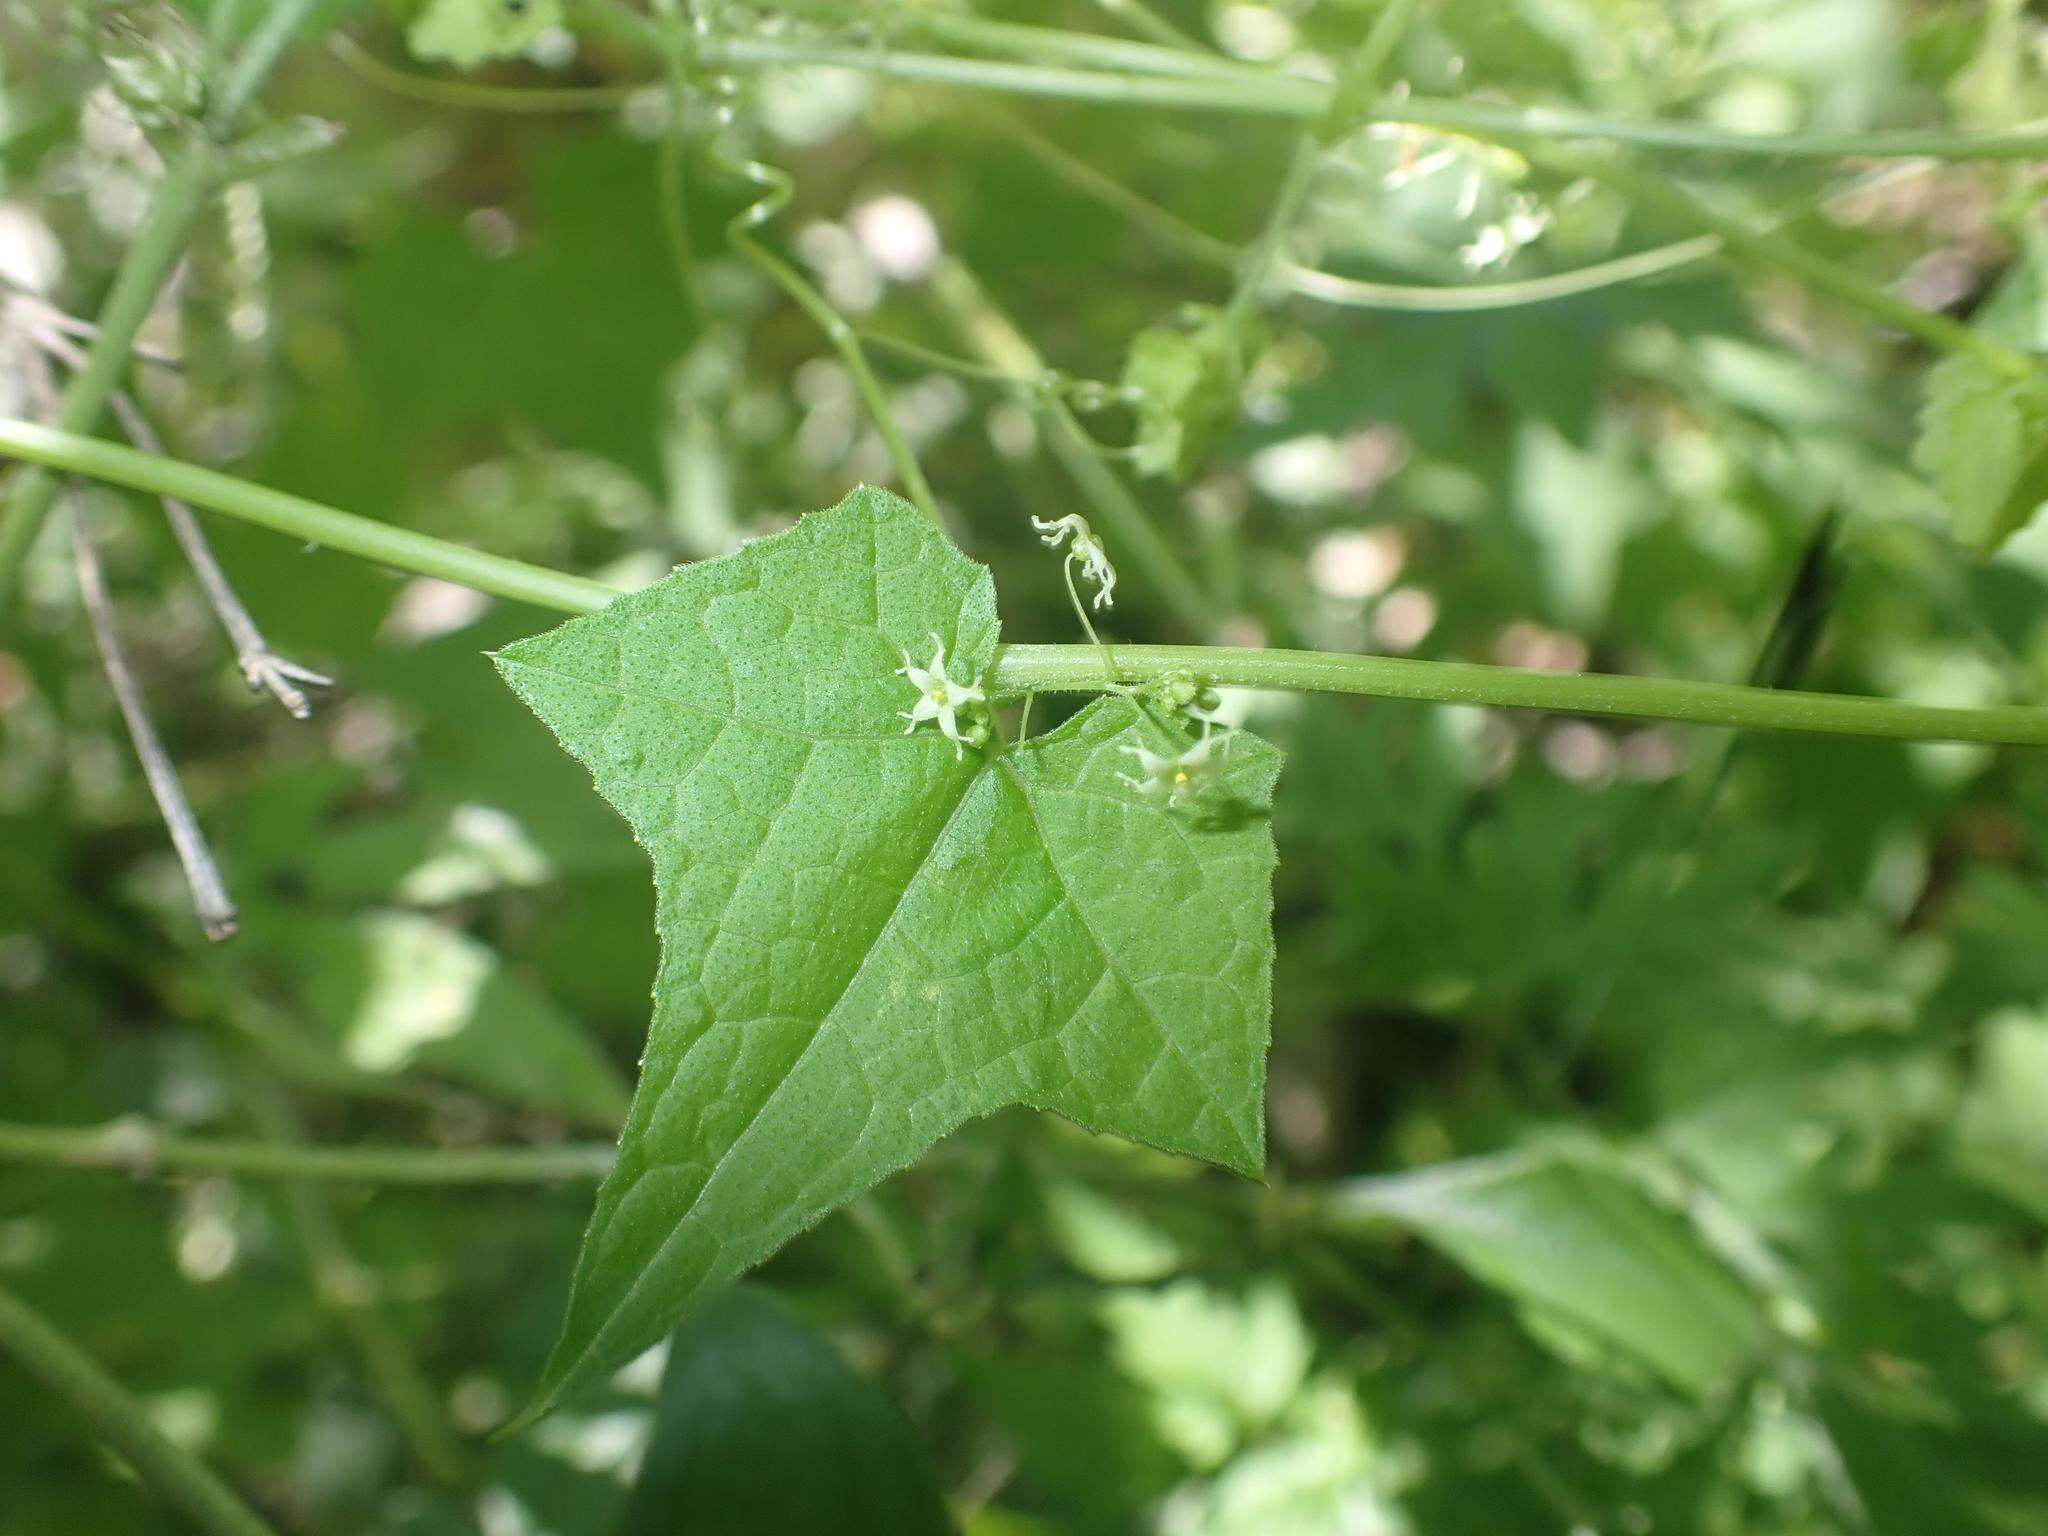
[[1360, 82], [210, 898], [1471, 298], [301, 519], [1247, 91], [776, 188], [186, 185], [350, 1292], [1081, 50], [174, 1475], [259, 56], [262, 668], [1122, 514], [1227, 87], [1141, 18], [136, 1147], [1021, 669], [465, 95], [1171, 230], [1258, 263], [1773, 248]]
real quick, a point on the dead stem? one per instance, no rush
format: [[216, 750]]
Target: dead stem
[[262, 668], [202, 875]]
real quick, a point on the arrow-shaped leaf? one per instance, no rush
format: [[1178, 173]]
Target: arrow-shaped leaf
[[868, 939]]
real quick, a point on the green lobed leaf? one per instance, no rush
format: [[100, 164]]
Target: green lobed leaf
[[1984, 443], [1580, 1245], [867, 938], [762, 1430]]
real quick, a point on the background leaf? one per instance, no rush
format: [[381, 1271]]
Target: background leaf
[[1984, 440], [762, 1430], [1574, 1241]]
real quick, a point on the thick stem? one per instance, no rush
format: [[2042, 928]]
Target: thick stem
[[259, 56], [1021, 669], [138, 1148], [175, 1476]]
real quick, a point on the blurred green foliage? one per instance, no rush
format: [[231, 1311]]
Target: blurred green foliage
[[1656, 1118]]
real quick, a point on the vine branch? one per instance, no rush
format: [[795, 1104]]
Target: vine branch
[[1021, 669], [137, 1147]]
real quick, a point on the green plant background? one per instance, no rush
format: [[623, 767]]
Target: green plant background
[[1655, 1118]]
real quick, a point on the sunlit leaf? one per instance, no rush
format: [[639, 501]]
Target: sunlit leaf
[[869, 936]]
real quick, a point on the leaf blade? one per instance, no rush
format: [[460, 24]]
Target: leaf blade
[[868, 939]]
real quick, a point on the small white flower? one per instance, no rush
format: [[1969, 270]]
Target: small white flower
[[1086, 548], [1489, 249], [1180, 777], [1525, 221], [940, 698]]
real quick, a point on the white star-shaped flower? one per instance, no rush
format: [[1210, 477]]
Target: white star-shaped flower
[[1086, 548], [940, 698], [1179, 777]]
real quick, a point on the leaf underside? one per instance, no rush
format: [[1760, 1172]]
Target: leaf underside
[[865, 940]]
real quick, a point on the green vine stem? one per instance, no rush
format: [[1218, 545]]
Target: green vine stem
[[136, 1147], [1074, 668], [179, 1478], [1022, 669], [776, 189]]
